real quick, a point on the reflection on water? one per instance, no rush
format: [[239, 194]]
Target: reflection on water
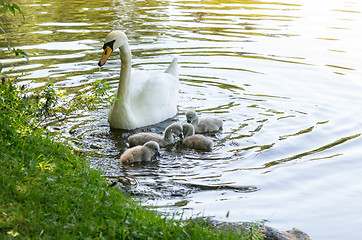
[[284, 76]]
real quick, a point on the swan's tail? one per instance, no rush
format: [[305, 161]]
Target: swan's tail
[[173, 68]]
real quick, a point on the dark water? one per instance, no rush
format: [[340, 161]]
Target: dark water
[[284, 76]]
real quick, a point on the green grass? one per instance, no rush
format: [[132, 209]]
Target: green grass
[[47, 191]]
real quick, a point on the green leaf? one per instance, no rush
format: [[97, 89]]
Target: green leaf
[[1, 66], [18, 52], [24, 55], [15, 6], [5, 7], [12, 10], [2, 30]]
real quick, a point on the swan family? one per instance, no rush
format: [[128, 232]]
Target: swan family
[[144, 98], [146, 145]]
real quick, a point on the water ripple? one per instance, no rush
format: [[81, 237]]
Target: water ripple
[[284, 77]]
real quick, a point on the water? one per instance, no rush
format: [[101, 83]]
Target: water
[[284, 76]]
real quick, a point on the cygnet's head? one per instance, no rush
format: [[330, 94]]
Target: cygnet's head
[[191, 116], [153, 146], [114, 40]]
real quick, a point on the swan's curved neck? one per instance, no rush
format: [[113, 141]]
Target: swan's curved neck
[[121, 108], [125, 78]]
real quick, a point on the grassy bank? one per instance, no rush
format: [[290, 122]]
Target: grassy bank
[[48, 191]]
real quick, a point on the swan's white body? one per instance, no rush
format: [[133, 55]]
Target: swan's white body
[[143, 98]]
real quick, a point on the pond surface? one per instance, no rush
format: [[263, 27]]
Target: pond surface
[[285, 76]]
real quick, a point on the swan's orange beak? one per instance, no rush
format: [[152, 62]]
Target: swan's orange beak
[[106, 53]]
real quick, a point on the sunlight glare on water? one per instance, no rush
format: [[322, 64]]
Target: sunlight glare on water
[[285, 76]]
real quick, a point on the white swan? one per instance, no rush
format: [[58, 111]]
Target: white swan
[[138, 154], [203, 125], [197, 141], [147, 98], [172, 131]]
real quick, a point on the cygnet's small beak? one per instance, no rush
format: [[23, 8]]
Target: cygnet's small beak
[[181, 136], [106, 53], [188, 121]]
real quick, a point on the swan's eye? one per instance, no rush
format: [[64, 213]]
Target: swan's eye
[[109, 44]]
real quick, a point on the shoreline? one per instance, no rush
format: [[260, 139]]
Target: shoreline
[[48, 190]]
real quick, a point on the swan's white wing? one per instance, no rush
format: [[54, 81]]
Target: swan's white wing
[[154, 96], [173, 68]]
